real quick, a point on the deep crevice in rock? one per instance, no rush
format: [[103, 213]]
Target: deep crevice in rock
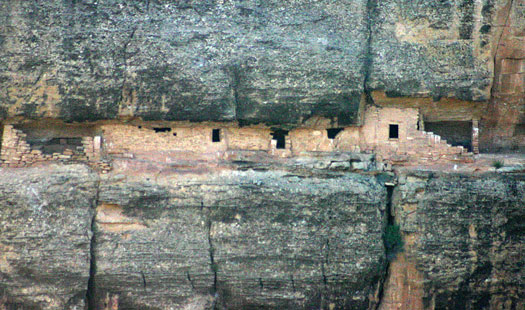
[[367, 65], [211, 251], [91, 287], [390, 220]]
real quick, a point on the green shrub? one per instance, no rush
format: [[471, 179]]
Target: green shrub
[[497, 164], [393, 240]]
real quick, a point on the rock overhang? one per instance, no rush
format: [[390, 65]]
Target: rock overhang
[[252, 62]]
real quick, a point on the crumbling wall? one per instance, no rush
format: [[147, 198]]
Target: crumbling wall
[[175, 140], [412, 145], [17, 152], [316, 140]]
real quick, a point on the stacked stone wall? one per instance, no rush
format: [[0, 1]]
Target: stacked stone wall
[[16, 152], [412, 146], [174, 141]]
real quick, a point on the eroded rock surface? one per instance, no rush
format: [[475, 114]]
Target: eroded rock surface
[[45, 236], [236, 237], [241, 239], [252, 61], [465, 236], [433, 48]]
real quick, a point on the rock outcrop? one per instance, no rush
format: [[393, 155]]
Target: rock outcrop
[[229, 239], [225, 215], [241, 239], [45, 236], [270, 62], [432, 48], [248, 61], [238, 238], [464, 242]]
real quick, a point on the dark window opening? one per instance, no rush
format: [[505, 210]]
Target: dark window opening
[[456, 133], [57, 145], [393, 131], [279, 135], [333, 132], [216, 135], [162, 129], [1, 135], [140, 127]]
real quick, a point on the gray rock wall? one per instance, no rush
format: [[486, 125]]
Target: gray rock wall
[[433, 48], [241, 240], [251, 61], [234, 239], [230, 240], [469, 238], [45, 237]]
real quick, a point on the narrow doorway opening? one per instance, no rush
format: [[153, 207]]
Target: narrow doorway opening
[[279, 135], [216, 135]]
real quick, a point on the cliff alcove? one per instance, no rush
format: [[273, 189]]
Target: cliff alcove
[[262, 154]]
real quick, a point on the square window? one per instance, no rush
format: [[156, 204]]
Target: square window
[[393, 131]]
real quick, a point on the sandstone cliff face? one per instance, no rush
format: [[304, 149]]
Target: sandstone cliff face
[[251, 61], [268, 62], [228, 239], [463, 242], [433, 48], [45, 237], [505, 117], [241, 239]]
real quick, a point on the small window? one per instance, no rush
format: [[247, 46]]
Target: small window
[[279, 135], [162, 129], [393, 132], [216, 135], [333, 132]]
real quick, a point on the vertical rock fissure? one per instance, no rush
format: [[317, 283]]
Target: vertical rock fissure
[[234, 72], [495, 60], [91, 287], [390, 221], [371, 6], [211, 251]]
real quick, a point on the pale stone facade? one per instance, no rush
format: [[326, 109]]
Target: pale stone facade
[[17, 152], [390, 133]]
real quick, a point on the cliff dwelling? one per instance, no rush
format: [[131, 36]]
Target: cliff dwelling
[[390, 133], [233, 155]]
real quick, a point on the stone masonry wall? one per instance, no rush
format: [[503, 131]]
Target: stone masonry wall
[[17, 152], [177, 140], [412, 145]]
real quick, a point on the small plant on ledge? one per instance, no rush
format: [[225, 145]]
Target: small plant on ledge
[[497, 164]]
